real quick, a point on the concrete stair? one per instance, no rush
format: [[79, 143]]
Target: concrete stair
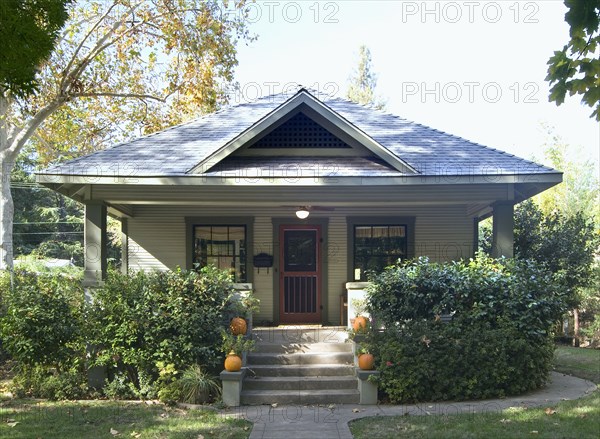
[[300, 365]]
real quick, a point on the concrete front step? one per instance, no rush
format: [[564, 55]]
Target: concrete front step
[[300, 334], [300, 365], [301, 358], [256, 397], [306, 370], [292, 348], [301, 383]]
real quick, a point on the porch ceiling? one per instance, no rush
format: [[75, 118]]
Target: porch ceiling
[[477, 198]]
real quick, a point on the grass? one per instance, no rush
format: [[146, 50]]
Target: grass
[[77, 419], [579, 362], [568, 419]]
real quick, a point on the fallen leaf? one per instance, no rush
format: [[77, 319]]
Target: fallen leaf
[[549, 411], [12, 424], [114, 432], [135, 434], [533, 432]]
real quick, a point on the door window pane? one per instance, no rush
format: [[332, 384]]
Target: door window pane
[[300, 250]]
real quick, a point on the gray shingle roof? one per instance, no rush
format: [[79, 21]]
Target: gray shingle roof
[[175, 151]]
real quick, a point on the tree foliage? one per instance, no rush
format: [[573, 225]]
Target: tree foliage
[[363, 82], [120, 68], [28, 31], [576, 68], [580, 189], [565, 244]]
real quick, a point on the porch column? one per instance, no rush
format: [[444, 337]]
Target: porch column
[[94, 244], [503, 230], [124, 246]]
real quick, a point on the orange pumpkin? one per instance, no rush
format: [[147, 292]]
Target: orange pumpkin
[[366, 361], [238, 326], [233, 363], [360, 323]]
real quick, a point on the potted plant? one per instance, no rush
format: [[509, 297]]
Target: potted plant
[[241, 305], [234, 346], [360, 322], [366, 361]]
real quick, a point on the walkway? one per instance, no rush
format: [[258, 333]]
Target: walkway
[[330, 422]]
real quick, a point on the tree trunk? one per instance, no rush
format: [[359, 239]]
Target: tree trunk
[[576, 327], [6, 212], [6, 203]]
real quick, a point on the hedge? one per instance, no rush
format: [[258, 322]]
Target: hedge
[[498, 342]]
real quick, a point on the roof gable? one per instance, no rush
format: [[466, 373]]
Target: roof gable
[[305, 103]]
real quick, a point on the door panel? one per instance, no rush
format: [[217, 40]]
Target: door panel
[[299, 281]]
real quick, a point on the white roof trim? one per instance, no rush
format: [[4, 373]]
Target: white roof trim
[[225, 180], [303, 97]]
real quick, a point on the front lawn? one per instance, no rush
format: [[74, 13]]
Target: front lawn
[[579, 362], [109, 419], [568, 419]]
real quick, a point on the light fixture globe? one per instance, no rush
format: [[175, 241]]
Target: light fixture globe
[[302, 213]]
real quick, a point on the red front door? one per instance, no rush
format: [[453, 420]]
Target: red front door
[[299, 274]]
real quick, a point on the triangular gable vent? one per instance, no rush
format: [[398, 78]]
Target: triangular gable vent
[[299, 132]]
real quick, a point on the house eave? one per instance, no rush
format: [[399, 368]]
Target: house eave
[[313, 180]]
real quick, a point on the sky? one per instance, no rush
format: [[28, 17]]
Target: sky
[[474, 69]]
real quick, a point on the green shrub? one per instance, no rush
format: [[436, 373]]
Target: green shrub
[[44, 382], [499, 341], [434, 361], [141, 323], [41, 324], [481, 291]]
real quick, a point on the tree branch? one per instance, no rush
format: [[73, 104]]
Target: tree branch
[[22, 136], [80, 46], [101, 45], [118, 95]]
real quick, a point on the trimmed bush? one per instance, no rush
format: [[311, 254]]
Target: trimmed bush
[[143, 323], [499, 341]]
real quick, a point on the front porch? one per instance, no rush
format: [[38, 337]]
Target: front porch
[[158, 236]]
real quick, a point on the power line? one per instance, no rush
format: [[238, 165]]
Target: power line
[[53, 222], [47, 233]]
